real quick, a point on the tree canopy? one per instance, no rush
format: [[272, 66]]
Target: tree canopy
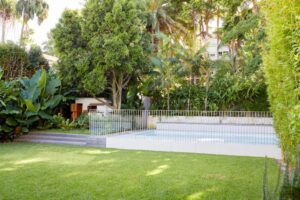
[[106, 47]]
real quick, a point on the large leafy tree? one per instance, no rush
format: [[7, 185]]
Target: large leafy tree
[[74, 62], [104, 49], [115, 31], [28, 10]]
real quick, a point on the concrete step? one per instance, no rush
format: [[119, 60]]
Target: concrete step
[[51, 141], [71, 139], [59, 134], [41, 136]]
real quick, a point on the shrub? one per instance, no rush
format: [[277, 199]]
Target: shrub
[[60, 122], [83, 121], [14, 61], [36, 59]]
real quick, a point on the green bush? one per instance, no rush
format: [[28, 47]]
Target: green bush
[[17, 62], [9, 97], [60, 122], [14, 61], [83, 121], [36, 59]]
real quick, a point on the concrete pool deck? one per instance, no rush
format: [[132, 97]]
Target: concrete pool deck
[[130, 141]]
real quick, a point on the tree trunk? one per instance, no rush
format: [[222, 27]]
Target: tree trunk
[[3, 30], [168, 100], [206, 91], [218, 38], [120, 89], [118, 83], [22, 30], [114, 91]]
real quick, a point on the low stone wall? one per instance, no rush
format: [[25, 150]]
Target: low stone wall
[[216, 128], [154, 120]]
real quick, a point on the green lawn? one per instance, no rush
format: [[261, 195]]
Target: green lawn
[[39, 171], [72, 131]]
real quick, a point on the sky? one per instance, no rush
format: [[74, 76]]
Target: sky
[[56, 8]]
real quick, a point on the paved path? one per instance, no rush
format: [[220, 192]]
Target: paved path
[[60, 138]]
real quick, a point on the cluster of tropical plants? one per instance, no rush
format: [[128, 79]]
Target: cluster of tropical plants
[[28, 102], [82, 122]]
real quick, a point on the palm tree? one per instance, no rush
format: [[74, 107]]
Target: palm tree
[[168, 68], [29, 9], [219, 12], [160, 20], [6, 14]]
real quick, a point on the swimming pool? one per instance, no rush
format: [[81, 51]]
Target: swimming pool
[[224, 143], [210, 137], [228, 133]]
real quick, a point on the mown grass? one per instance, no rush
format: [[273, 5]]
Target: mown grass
[[39, 171]]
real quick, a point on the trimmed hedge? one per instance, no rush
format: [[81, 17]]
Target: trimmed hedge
[[282, 67]]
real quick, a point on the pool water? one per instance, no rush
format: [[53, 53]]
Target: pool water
[[206, 137]]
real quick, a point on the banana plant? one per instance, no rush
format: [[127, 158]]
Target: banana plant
[[41, 94], [8, 100], [26, 101]]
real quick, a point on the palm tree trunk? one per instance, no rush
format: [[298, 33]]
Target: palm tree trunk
[[22, 30], [218, 38], [3, 31], [206, 91]]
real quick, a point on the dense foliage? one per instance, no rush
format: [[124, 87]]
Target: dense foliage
[[25, 103], [103, 49], [282, 65], [17, 62], [13, 60], [82, 122]]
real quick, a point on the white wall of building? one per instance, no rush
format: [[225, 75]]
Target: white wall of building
[[87, 101]]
